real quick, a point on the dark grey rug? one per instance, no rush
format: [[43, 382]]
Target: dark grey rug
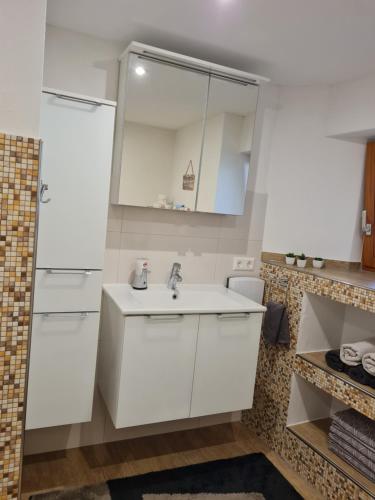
[[249, 477]]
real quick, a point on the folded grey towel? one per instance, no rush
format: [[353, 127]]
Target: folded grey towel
[[356, 452], [356, 424], [348, 437], [276, 324], [351, 460]]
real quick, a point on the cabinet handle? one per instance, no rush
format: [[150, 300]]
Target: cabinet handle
[[43, 189], [64, 271], [82, 315], [163, 317], [233, 315], [78, 99]]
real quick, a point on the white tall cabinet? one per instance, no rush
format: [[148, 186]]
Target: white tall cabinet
[[77, 135]]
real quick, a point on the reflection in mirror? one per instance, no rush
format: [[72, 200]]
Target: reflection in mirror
[[164, 117], [227, 146]]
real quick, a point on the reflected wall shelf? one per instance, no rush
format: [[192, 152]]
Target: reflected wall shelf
[[315, 435], [312, 367]]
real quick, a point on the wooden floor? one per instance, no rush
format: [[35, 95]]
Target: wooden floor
[[93, 464]]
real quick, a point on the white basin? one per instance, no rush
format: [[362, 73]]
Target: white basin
[[192, 299]]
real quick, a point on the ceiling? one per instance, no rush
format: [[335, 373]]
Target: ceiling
[[290, 41]]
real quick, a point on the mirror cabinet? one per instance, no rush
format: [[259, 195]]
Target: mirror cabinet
[[183, 133]]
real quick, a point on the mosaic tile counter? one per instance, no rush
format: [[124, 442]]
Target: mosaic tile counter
[[19, 165], [268, 417]]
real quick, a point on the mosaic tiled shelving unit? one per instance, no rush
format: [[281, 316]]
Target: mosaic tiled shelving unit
[[19, 165], [268, 417], [357, 396]]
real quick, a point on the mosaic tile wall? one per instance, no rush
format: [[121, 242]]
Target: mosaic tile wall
[[19, 165], [268, 417]]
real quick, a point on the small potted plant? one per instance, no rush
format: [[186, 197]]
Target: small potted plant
[[318, 262], [301, 260], [290, 258]]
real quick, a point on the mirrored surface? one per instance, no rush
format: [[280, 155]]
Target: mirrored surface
[[227, 146], [187, 138], [164, 118]]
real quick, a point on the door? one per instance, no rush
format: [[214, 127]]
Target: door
[[157, 369], [62, 369], [226, 361], [227, 144], [159, 133], [368, 256], [76, 165]]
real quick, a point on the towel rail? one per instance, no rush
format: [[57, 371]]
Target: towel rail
[[283, 283]]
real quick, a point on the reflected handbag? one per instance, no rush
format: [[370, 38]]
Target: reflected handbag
[[188, 179]]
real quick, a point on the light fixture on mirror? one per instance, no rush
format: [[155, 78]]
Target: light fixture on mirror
[[140, 70]]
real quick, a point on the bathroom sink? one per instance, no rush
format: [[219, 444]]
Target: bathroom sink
[[192, 299]]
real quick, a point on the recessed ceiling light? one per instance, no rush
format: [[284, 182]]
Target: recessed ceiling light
[[140, 70]]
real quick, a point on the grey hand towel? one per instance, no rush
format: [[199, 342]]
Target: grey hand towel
[[276, 324]]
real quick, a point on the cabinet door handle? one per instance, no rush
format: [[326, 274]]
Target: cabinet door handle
[[233, 315], [81, 315], [43, 189], [163, 317], [68, 271], [78, 99]]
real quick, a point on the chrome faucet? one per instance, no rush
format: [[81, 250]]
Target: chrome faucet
[[174, 278]]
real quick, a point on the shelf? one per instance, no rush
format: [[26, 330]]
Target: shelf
[[312, 367], [315, 435]]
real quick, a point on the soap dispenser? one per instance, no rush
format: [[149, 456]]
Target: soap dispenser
[[140, 275]]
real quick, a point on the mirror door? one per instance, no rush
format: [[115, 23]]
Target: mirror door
[[162, 142], [227, 146]]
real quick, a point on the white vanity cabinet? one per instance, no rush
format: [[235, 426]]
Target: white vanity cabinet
[[225, 364], [76, 134], [155, 372], [156, 367]]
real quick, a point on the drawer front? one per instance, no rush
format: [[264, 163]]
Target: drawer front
[[62, 369], [61, 290], [225, 365], [157, 369]]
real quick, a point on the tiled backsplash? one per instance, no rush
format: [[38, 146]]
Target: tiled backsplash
[[19, 165], [203, 243]]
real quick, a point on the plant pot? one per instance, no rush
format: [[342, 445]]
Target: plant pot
[[290, 260], [318, 264], [301, 263]]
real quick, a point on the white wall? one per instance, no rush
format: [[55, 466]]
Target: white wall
[[80, 63], [233, 167], [352, 110], [22, 28], [213, 143], [149, 153], [314, 183]]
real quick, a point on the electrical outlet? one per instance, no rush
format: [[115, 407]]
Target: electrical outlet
[[244, 263]]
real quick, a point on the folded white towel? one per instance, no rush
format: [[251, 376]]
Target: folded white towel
[[352, 354], [368, 362]]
